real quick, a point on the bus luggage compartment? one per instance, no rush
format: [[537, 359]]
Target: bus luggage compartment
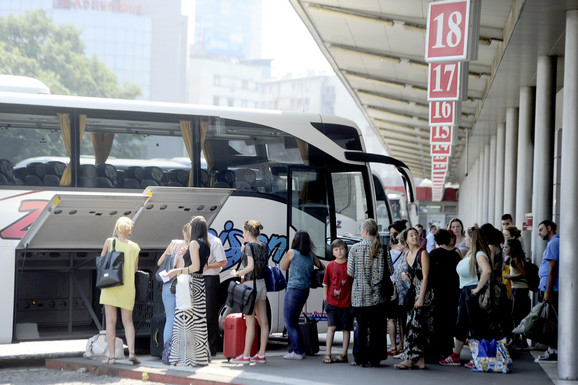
[[54, 288]]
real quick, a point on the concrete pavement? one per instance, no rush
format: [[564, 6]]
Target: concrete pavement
[[66, 355]]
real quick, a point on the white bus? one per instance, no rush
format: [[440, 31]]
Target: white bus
[[72, 165]]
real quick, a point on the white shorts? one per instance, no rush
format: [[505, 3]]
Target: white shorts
[[261, 288]]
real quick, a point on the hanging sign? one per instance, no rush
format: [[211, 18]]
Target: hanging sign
[[441, 134], [451, 28]]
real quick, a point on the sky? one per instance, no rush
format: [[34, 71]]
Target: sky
[[288, 42]]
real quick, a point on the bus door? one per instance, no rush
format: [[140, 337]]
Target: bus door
[[309, 208]]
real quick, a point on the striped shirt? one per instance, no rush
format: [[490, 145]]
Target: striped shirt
[[367, 273]]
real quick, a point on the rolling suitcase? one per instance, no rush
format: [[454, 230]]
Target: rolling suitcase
[[234, 338], [157, 329]]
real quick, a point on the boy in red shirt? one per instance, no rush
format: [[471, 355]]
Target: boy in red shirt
[[337, 296]]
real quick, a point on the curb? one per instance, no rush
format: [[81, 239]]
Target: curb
[[138, 373]]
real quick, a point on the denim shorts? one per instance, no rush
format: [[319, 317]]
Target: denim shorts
[[340, 317]]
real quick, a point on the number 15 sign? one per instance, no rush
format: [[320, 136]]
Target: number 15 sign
[[448, 31]]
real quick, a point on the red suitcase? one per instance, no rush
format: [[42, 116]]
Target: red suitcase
[[234, 338]]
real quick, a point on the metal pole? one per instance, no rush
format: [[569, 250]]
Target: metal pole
[[568, 295]]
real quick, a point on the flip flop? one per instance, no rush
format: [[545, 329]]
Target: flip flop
[[404, 365], [340, 359], [327, 359]]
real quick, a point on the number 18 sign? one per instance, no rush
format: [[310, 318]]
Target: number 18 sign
[[447, 31]]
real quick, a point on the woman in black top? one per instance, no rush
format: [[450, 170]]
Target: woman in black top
[[189, 342], [446, 285]]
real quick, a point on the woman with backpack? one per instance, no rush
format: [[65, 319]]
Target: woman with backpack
[[521, 303], [254, 261]]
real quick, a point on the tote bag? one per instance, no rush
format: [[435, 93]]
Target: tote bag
[[183, 292], [109, 268]]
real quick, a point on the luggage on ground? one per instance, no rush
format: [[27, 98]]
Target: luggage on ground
[[157, 329], [234, 337]]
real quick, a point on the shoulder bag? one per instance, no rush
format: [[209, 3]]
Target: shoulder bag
[[241, 298], [275, 279], [387, 289], [183, 292], [168, 263], [109, 268]]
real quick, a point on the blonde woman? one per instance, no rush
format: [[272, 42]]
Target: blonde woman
[[175, 251], [472, 321], [122, 296]]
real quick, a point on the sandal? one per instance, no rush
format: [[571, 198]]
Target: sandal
[[110, 361], [392, 352], [327, 359], [132, 358], [340, 359], [404, 365]]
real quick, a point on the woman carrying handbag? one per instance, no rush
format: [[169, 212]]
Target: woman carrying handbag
[[172, 259], [121, 296], [189, 341]]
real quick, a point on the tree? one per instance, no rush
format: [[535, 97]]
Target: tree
[[32, 45]]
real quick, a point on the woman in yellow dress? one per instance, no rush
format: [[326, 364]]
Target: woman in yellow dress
[[121, 296]]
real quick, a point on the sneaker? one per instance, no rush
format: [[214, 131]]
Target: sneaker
[[469, 365], [547, 357], [259, 359], [293, 356], [451, 361], [241, 360]]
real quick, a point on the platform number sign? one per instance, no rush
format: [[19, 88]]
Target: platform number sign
[[444, 81], [447, 31]]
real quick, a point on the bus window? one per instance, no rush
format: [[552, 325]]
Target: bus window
[[350, 202], [309, 206], [26, 141]]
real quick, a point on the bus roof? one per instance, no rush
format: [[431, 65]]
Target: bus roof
[[13, 83]]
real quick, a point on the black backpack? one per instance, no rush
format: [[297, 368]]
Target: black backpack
[[532, 278]]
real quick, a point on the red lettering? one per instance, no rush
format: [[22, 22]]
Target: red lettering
[[16, 230]]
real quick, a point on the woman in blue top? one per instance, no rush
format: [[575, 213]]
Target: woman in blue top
[[470, 316], [300, 259]]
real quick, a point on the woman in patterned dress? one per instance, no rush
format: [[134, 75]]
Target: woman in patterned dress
[[189, 342], [420, 317], [121, 296]]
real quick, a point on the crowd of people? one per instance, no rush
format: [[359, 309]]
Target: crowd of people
[[431, 312]]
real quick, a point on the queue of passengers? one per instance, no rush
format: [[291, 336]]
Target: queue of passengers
[[433, 310]]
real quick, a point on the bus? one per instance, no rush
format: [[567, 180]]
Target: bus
[[72, 165]]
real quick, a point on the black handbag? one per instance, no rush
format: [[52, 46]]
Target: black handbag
[[142, 283], [386, 284], [109, 268], [241, 298]]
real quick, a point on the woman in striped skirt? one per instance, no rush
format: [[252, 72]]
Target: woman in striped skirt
[[189, 342]]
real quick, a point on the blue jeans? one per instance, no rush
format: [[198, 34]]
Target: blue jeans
[[294, 301], [169, 303]]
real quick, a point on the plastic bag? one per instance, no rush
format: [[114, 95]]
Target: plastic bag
[[97, 347], [541, 325], [490, 356], [183, 295]]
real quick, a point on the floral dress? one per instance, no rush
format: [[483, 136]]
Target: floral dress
[[419, 321]]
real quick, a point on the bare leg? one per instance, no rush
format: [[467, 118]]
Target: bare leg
[[391, 329], [401, 338], [128, 329], [261, 310], [458, 347], [345, 343], [249, 334], [110, 313], [329, 339]]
